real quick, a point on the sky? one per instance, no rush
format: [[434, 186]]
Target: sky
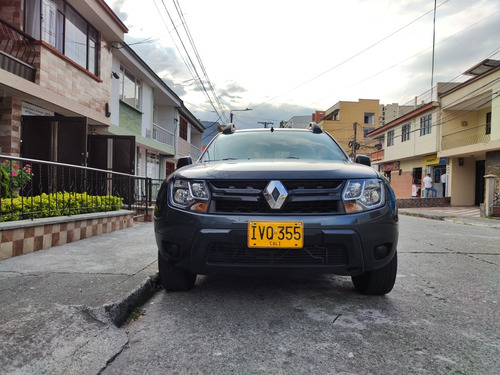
[[285, 58]]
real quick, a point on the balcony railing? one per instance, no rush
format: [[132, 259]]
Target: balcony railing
[[17, 52], [35, 188], [162, 135], [465, 137], [195, 152]]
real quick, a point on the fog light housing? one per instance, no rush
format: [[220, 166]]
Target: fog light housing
[[173, 250], [381, 251]]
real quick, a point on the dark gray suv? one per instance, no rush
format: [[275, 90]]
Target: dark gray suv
[[277, 201]]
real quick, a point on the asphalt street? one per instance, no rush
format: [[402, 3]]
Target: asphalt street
[[63, 311]]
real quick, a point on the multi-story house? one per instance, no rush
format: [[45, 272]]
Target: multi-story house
[[470, 132], [349, 122], [458, 136], [71, 91], [410, 145], [144, 108], [55, 81]]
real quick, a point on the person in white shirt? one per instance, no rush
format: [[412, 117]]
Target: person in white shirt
[[443, 183], [429, 185]]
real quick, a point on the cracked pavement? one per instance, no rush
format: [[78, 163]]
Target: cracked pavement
[[61, 308]]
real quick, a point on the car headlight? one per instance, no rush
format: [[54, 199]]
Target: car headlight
[[190, 195], [363, 195]]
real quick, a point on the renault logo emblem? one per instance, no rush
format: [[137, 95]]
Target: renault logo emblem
[[275, 194]]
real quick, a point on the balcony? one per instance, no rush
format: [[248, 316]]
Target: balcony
[[377, 155], [17, 52], [162, 135], [465, 137]]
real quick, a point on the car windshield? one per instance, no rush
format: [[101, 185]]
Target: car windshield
[[279, 144]]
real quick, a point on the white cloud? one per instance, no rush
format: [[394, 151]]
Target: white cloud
[[287, 58]]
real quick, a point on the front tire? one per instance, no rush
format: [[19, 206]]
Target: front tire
[[377, 282], [174, 279]]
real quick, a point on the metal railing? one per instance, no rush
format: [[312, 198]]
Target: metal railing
[[31, 188], [162, 135], [18, 52], [466, 137]]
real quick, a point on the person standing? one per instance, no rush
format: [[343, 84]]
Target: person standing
[[429, 185], [443, 183]]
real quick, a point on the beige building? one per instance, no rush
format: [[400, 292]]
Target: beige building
[[470, 132], [458, 136], [349, 122]]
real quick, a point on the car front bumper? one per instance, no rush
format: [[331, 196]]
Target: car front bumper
[[337, 244]]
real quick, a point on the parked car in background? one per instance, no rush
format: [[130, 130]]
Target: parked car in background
[[277, 201]]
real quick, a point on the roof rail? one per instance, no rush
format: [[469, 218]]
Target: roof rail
[[229, 129], [314, 128]]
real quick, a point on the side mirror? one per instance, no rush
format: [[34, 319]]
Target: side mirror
[[182, 162], [363, 159]]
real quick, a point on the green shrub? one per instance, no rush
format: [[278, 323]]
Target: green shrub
[[56, 204]]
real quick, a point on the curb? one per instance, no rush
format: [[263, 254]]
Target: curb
[[119, 311]]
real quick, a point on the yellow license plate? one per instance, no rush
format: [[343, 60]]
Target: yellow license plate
[[285, 234]]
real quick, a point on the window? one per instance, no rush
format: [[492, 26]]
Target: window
[[64, 29], [390, 138], [488, 123], [369, 118], [425, 125], [130, 88], [405, 133], [183, 129]]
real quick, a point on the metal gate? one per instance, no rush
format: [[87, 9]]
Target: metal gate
[[58, 139]]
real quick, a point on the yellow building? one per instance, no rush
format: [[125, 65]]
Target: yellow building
[[349, 122]]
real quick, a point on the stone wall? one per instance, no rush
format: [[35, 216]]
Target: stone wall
[[423, 202]]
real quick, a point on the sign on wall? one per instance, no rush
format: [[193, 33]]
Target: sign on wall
[[28, 109]]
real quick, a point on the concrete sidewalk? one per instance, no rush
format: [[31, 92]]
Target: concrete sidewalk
[[60, 308], [467, 215]]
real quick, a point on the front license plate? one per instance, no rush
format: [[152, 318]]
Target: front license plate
[[288, 234]]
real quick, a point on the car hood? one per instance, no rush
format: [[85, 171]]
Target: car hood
[[276, 169]]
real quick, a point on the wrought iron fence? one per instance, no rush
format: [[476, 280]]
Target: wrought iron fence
[[32, 188]]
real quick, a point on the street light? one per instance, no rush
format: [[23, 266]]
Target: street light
[[237, 110]]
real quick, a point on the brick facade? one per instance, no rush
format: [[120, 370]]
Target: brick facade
[[402, 184], [10, 126]]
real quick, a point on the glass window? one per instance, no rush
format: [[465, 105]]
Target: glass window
[[405, 133], [425, 125], [369, 118], [390, 138], [488, 123], [64, 29], [76, 38], [183, 129], [130, 91], [280, 144]]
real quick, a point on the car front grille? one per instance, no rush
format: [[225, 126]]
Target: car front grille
[[235, 255], [305, 197]]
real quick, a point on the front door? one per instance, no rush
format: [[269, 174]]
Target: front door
[[57, 139]]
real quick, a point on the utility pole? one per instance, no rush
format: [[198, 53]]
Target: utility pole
[[354, 143], [265, 123]]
